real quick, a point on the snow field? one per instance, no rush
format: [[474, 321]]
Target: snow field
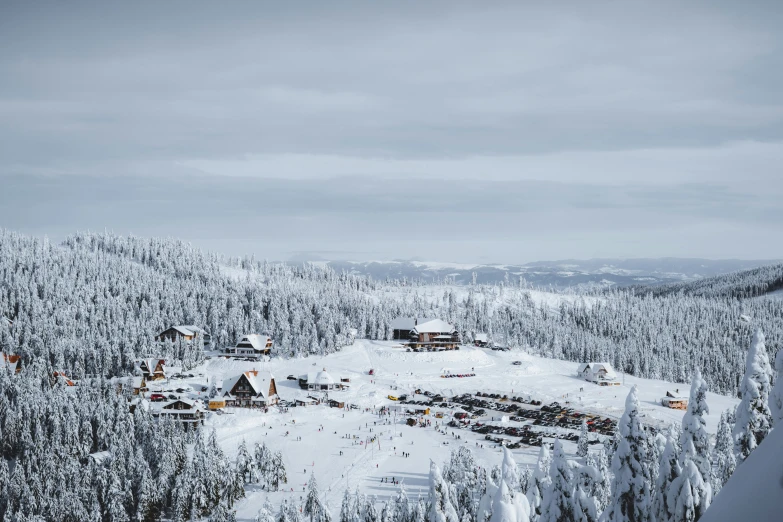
[[323, 430]]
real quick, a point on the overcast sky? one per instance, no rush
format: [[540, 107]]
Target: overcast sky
[[464, 132]]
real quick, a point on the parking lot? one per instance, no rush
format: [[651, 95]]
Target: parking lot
[[514, 421]]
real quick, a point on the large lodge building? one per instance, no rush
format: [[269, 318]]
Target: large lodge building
[[425, 334]]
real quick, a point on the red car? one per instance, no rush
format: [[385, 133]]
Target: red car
[[157, 397]]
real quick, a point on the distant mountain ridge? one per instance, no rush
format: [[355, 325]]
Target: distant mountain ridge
[[559, 273]]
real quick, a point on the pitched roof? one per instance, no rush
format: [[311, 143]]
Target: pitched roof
[[434, 326], [151, 364], [258, 380], [596, 366], [403, 323], [11, 361], [257, 341], [482, 337], [188, 329]]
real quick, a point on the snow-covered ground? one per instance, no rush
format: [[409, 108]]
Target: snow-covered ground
[[323, 430]]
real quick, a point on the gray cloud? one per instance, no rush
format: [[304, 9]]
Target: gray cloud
[[519, 129]]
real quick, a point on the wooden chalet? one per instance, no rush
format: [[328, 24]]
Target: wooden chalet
[[12, 362], [675, 401], [152, 369], [186, 333], [600, 373], [434, 334], [181, 409], [252, 345], [481, 340], [135, 383], [251, 389], [403, 326]]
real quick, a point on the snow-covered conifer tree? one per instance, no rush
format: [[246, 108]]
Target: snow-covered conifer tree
[[540, 483], [776, 395], [630, 500], [668, 471], [441, 507], [723, 453], [695, 444], [582, 444], [313, 507], [753, 418], [558, 502], [266, 513]]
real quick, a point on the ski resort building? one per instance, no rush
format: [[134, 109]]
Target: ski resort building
[[251, 345], [403, 326], [187, 333], [12, 362], [600, 373], [320, 381], [675, 401], [481, 340], [152, 369], [251, 389], [181, 409], [434, 334]]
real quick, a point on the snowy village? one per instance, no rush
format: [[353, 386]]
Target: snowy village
[[348, 261]]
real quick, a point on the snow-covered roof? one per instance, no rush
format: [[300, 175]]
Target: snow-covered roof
[[256, 341], [151, 364], [482, 337], [141, 402], [260, 382], [434, 326], [322, 378], [100, 456], [403, 323], [598, 366], [188, 329]]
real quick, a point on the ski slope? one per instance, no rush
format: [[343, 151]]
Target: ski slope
[[323, 430]]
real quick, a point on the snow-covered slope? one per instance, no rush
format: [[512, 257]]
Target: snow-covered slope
[[755, 491], [327, 432]]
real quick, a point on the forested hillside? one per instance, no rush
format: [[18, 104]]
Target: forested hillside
[[743, 284], [93, 304]]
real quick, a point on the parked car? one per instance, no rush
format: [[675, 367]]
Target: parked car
[[291, 378], [157, 397], [181, 390], [393, 398], [204, 388], [173, 397], [517, 363]]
